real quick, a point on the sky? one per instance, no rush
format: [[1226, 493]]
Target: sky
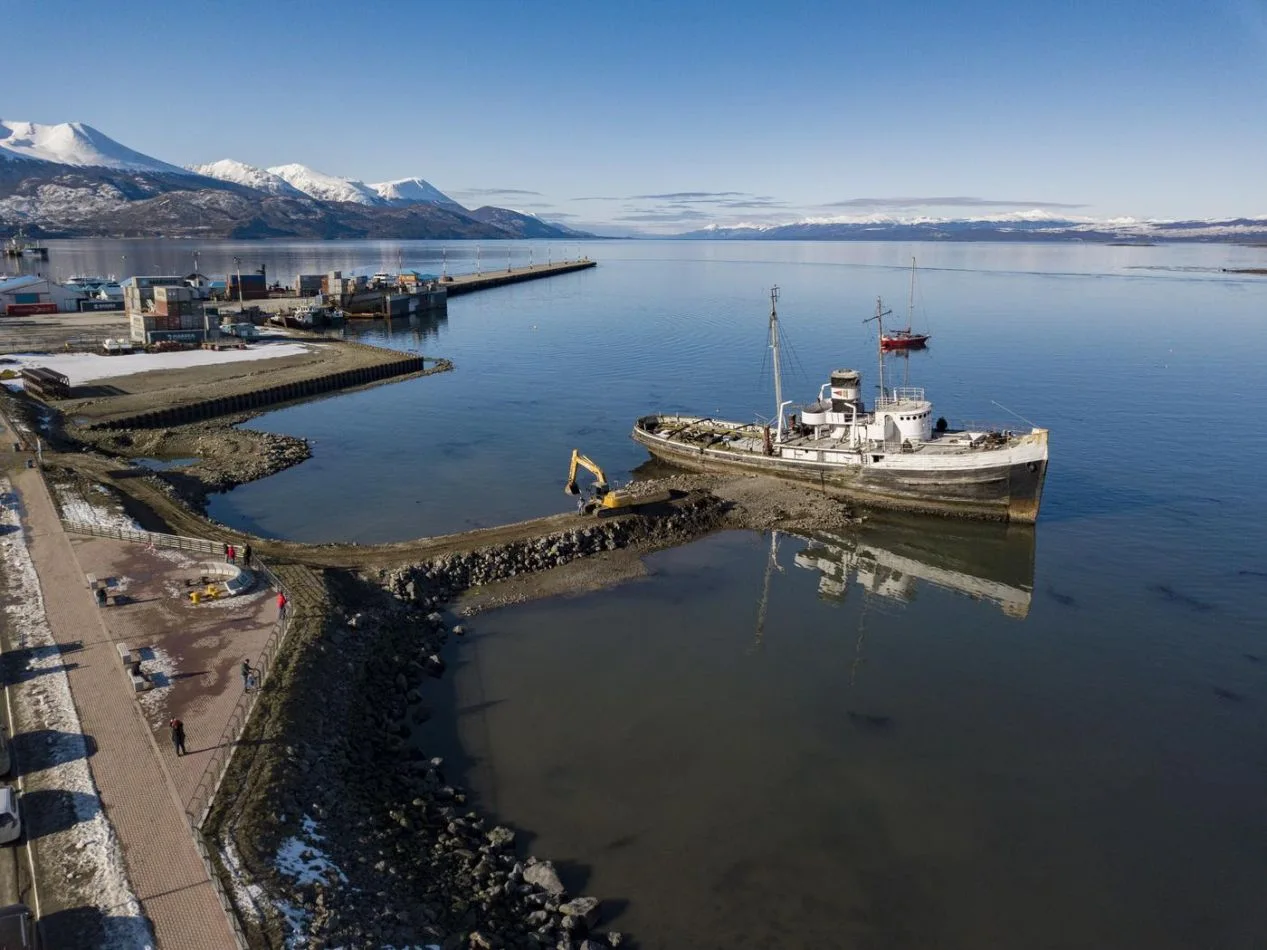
[[663, 117]]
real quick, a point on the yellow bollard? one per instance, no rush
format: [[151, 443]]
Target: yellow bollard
[[195, 597]]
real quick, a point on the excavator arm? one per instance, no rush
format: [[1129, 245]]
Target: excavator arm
[[579, 460]]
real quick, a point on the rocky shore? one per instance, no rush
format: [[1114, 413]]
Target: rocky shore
[[330, 770], [220, 455]]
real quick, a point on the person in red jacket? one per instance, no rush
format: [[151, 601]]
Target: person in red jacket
[[281, 605]]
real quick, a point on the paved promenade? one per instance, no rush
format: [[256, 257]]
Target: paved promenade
[[137, 791]]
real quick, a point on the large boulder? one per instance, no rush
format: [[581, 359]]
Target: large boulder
[[586, 908], [544, 876]]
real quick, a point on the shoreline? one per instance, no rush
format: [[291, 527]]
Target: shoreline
[[308, 775]]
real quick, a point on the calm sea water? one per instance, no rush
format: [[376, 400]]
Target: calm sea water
[[932, 735]]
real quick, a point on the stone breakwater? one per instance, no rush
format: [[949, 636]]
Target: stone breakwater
[[332, 760], [439, 580]]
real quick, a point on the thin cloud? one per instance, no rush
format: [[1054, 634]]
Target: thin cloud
[[548, 215], [952, 202], [692, 196], [684, 214], [754, 203], [489, 192], [598, 198]]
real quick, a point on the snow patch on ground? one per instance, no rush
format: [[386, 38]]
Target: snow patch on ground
[[89, 869], [154, 701], [175, 556], [300, 858], [76, 509], [297, 919], [82, 368], [247, 896]]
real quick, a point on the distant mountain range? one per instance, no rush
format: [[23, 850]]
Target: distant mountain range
[[1012, 226], [70, 180]]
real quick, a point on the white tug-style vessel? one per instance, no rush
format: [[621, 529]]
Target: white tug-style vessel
[[893, 456]]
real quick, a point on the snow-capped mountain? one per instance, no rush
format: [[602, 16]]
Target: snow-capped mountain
[[70, 180], [325, 187], [1010, 226], [241, 173], [409, 191], [75, 144]]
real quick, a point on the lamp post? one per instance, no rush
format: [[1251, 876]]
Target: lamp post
[[237, 264], [477, 260]]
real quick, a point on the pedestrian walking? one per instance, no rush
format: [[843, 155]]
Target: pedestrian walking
[[226, 551], [230, 554], [178, 736], [281, 605], [246, 555], [246, 675]]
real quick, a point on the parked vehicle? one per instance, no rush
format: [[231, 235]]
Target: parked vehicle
[[10, 820], [17, 928]]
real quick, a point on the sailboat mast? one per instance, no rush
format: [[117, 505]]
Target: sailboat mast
[[774, 346], [910, 300]]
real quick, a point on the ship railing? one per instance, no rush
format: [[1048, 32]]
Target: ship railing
[[1010, 428], [900, 394]]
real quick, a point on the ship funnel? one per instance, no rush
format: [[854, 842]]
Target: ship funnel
[[846, 390]]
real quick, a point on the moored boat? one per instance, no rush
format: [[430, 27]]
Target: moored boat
[[905, 339], [892, 456]]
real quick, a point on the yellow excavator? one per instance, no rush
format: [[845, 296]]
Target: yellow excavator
[[605, 498]]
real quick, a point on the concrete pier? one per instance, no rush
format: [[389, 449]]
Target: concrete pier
[[468, 283]]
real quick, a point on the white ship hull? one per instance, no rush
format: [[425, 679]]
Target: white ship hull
[[992, 480]]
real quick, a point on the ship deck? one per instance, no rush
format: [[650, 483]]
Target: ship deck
[[747, 438]]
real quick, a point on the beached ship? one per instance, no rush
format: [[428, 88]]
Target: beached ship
[[893, 456]]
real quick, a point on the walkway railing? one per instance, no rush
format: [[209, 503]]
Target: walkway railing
[[155, 538]]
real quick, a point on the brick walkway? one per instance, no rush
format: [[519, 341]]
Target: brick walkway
[[203, 645], [136, 791]]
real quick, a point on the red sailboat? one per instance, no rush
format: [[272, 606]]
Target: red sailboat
[[905, 339]]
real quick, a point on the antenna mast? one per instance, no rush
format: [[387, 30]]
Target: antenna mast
[[880, 314], [774, 345]]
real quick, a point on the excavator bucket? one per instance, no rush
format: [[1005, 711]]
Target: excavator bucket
[[571, 488]]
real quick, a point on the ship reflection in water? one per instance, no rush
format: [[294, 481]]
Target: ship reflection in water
[[889, 557]]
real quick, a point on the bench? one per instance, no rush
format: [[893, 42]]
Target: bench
[[140, 684], [92, 581], [124, 653], [229, 579]]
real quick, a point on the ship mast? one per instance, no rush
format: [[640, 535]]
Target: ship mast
[[774, 346], [880, 314]]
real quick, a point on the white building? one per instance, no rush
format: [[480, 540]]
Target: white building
[[29, 294]]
